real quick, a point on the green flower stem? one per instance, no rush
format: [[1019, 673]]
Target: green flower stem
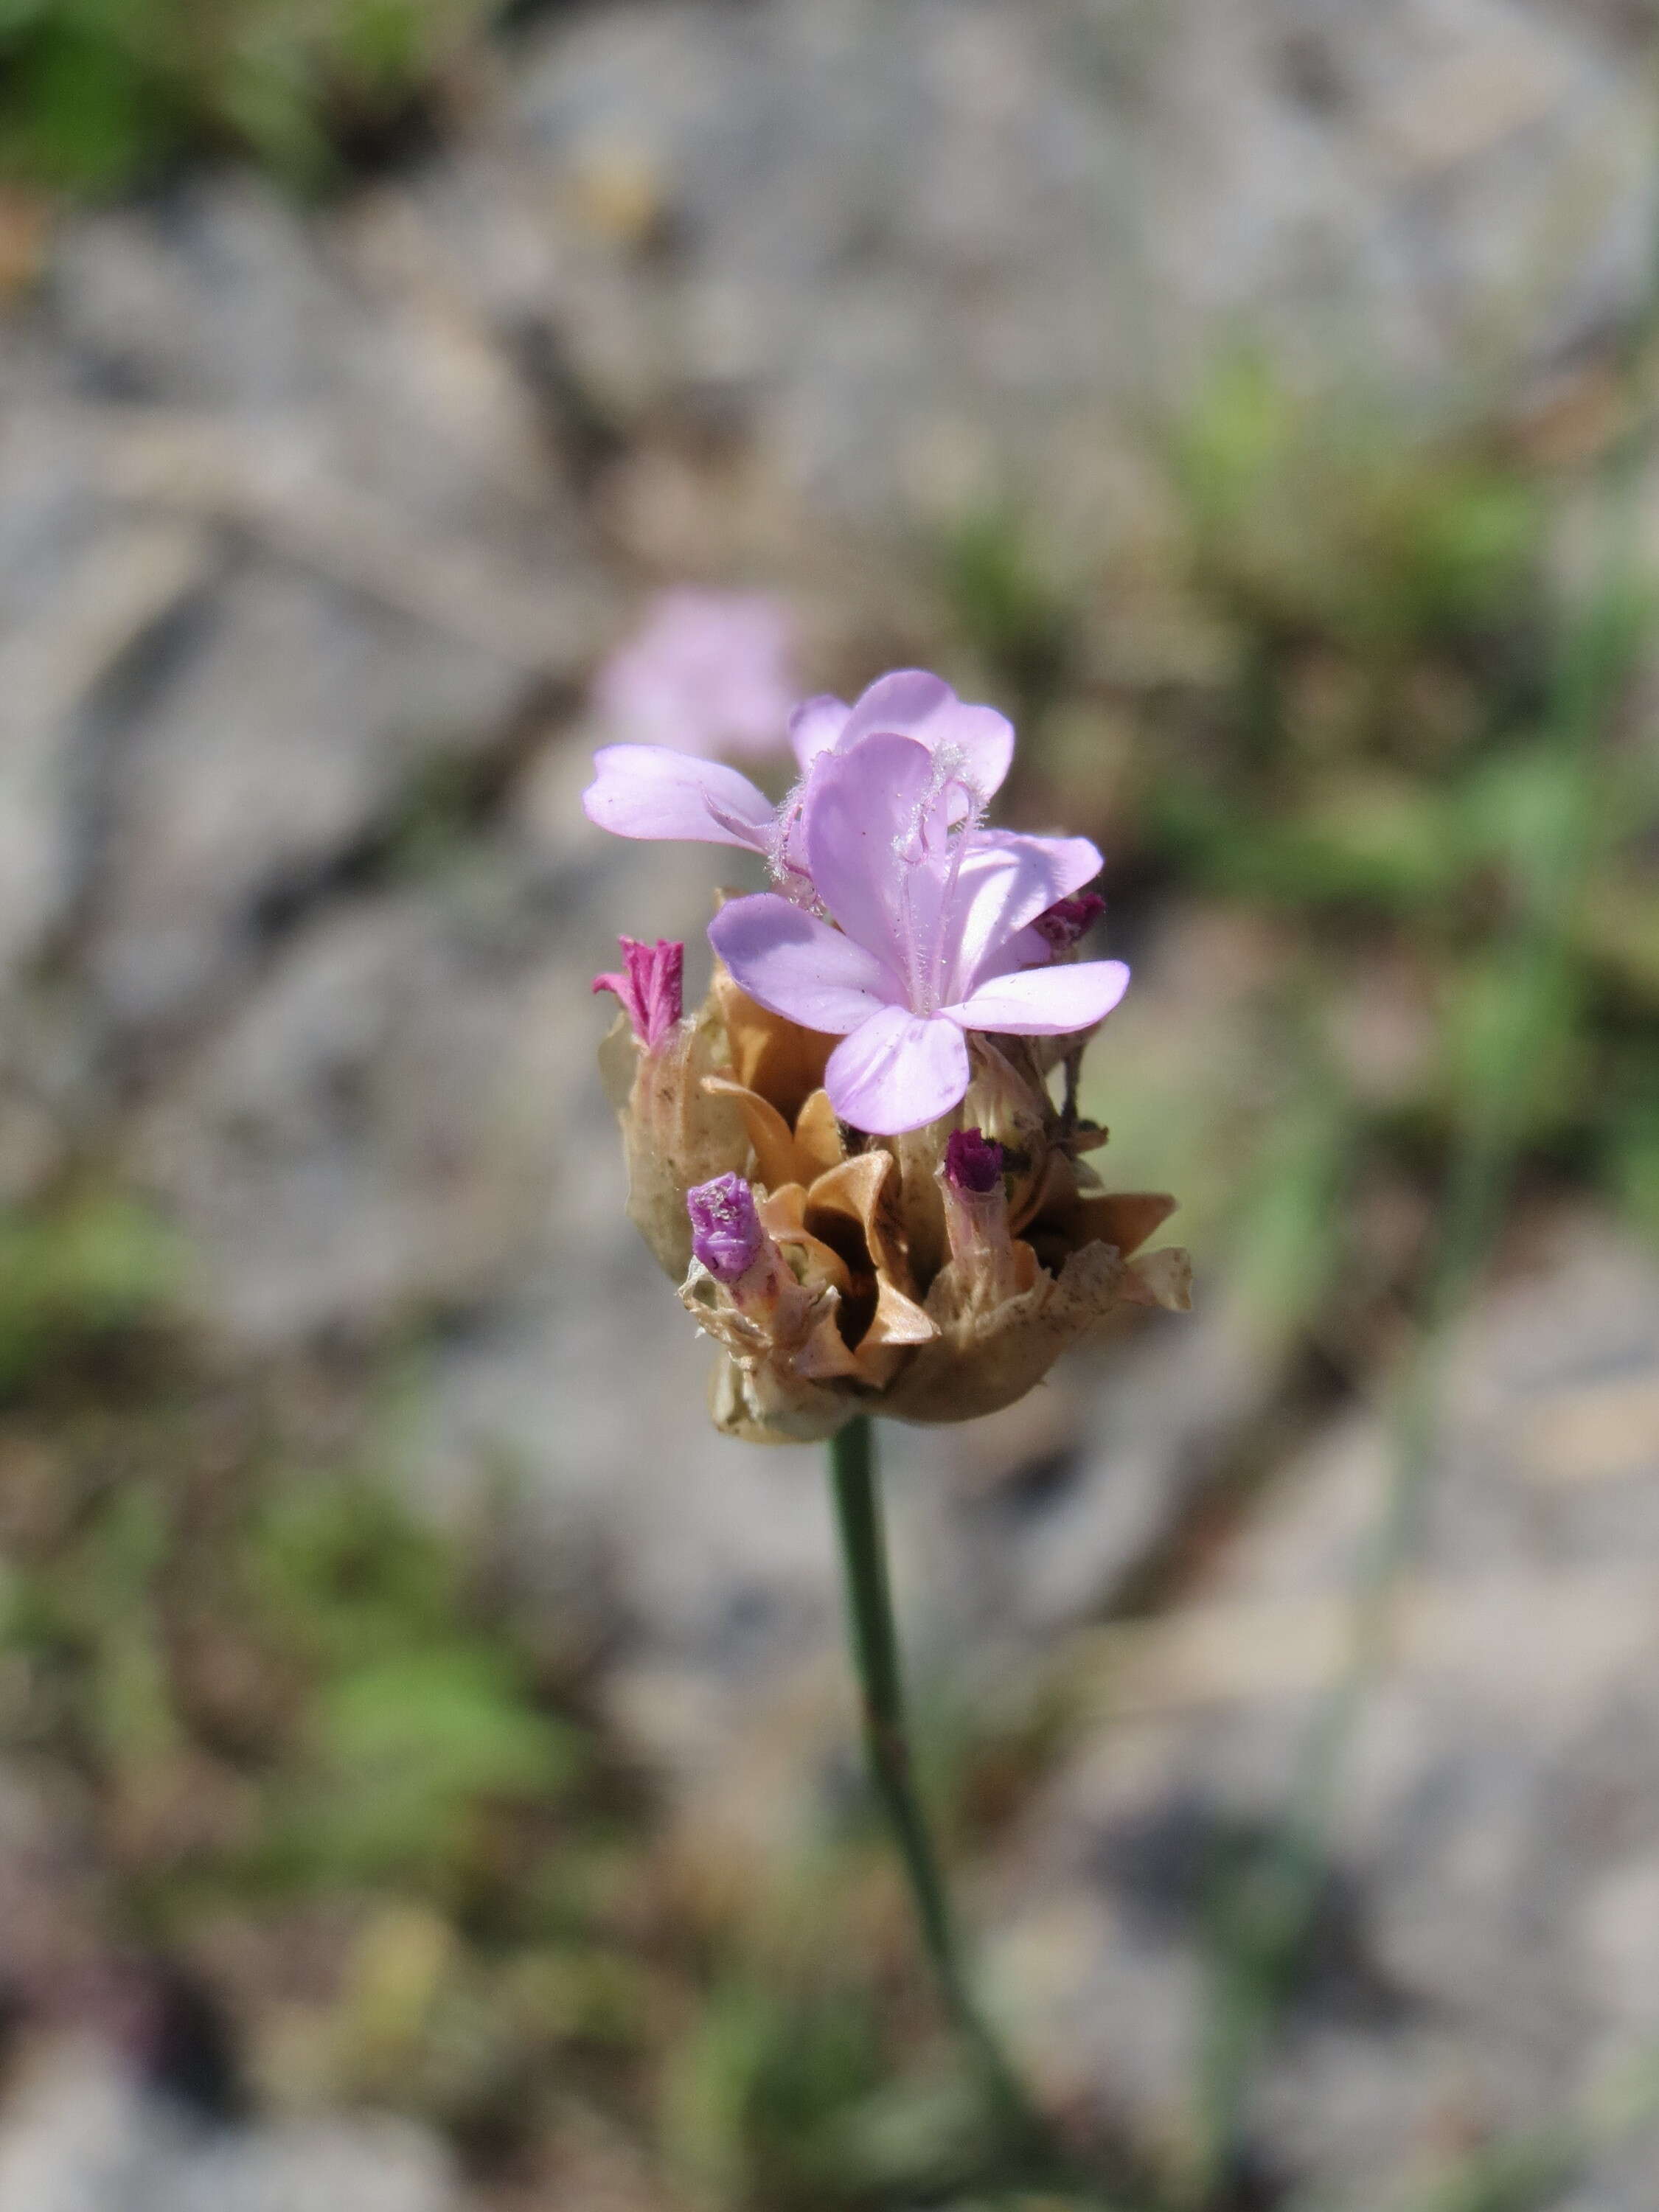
[[876, 1660]]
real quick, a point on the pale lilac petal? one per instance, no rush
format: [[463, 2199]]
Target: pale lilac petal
[[1026, 948], [911, 703], [1006, 882], [861, 807], [898, 703], [983, 737], [897, 1071], [1045, 1001], [648, 790], [815, 727], [795, 965]]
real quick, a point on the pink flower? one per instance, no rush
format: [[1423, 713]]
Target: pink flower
[[649, 791], [707, 672], [651, 986], [933, 916]]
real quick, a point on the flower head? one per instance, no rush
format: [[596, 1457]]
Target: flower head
[[707, 672], [850, 1158], [651, 986]]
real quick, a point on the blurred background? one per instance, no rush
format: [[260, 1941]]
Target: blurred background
[[428, 1771]]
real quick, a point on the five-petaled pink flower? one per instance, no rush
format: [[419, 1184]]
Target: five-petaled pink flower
[[933, 936], [707, 672]]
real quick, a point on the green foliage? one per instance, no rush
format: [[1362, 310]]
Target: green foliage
[[1012, 613], [747, 2091], [789, 2097], [1310, 515], [416, 1717], [97, 95], [76, 1274], [405, 1749]]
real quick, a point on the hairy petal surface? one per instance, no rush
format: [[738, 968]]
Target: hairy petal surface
[[1045, 1001], [793, 965], [897, 1071], [650, 791], [862, 812]]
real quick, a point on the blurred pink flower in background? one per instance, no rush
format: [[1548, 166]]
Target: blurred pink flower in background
[[706, 672]]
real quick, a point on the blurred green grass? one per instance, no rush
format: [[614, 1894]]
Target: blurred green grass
[[98, 96]]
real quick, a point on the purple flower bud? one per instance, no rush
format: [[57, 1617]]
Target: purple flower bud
[[973, 1162], [651, 986], [1067, 918], [726, 1235]]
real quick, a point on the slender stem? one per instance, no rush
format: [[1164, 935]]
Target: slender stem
[[876, 1658]]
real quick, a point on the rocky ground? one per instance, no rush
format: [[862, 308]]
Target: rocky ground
[[312, 529]]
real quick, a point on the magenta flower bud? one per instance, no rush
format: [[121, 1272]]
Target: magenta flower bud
[[973, 1162], [1068, 920], [726, 1236], [651, 987]]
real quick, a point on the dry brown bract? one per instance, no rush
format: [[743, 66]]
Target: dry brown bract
[[882, 1287]]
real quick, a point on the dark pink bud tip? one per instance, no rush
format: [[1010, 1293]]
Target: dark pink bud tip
[[1067, 918], [651, 986], [726, 1236], [973, 1162]]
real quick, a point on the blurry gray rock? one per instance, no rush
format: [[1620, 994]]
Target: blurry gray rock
[[79, 2137], [939, 250], [1485, 1935], [278, 540]]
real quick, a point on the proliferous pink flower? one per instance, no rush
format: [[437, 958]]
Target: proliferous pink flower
[[933, 916], [652, 790], [707, 672]]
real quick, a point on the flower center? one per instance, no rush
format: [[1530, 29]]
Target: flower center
[[929, 849]]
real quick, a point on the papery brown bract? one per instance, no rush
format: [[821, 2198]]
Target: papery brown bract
[[677, 1131], [882, 1290]]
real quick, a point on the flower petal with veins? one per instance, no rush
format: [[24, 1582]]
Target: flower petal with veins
[[897, 1071], [793, 965], [1045, 1001]]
